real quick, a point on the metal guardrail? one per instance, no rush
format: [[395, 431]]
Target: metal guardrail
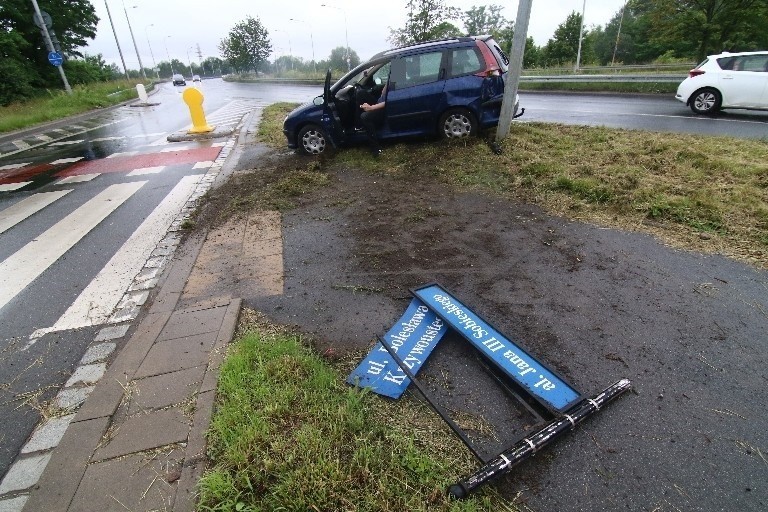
[[605, 78]]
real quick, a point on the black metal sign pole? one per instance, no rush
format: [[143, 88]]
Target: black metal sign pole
[[529, 445], [438, 409]]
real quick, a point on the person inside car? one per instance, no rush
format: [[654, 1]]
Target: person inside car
[[371, 117]]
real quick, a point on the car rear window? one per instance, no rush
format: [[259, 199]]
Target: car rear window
[[464, 61], [501, 57]]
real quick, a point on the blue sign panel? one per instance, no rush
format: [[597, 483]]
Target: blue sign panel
[[412, 338], [540, 382], [55, 58]]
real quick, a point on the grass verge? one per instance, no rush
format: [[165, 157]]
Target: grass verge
[[694, 192], [59, 104], [288, 434]]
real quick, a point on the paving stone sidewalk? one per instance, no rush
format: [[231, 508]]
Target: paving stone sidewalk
[[137, 443]]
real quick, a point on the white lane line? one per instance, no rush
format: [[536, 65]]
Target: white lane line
[[77, 179], [10, 187], [67, 160], [20, 144], [9, 167], [44, 138], [26, 207], [203, 165], [123, 153], [103, 139], [99, 299], [23, 267], [146, 170], [66, 142]]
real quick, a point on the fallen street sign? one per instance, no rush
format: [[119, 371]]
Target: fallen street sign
[[537, 380], [413, 338]]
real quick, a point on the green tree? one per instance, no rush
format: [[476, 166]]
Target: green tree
[[23, 51], [485, 19], [563, 47], [247, 46], [427, 19], [697, 28], [338, 59]]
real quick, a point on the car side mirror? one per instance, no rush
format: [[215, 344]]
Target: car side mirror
[[318, 101]]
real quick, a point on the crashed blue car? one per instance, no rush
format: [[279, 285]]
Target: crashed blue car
[[451, 88]]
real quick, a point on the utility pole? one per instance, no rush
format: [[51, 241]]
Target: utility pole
[[581, 35], [119, 50], [135, 47], [515, 69], [49, 44]]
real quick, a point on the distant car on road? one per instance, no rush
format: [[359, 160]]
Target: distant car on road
[[179, 80], [451, 88], [195, 78], [727, 80]]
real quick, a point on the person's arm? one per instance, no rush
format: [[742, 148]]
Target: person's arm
[[376, 106]]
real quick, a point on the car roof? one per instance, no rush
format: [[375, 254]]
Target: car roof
[[736, 54], [435, 43]]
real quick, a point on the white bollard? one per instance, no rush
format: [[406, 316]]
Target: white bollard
[[142, 93]]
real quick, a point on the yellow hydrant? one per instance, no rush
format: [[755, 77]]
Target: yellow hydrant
[[194, 100]]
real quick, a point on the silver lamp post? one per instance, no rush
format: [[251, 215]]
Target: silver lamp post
[[346, 32], [191, 71], [119, 50], [581, 34], [154, 62], [311, 40], [170, 61], [135, 47], [290, 49]]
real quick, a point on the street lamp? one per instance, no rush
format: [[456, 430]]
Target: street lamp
[[581, 34], [135, 47], [191, 72], [346, 33], [290, 50], [311, 39], [119, 50], [154, 62], [165, 42]]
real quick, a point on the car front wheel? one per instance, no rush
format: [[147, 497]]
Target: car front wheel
[[706, 101], [312, 140], [457, 123]]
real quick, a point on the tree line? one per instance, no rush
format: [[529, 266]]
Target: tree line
[[642, 31]]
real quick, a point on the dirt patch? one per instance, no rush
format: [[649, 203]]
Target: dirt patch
[[595, 304]]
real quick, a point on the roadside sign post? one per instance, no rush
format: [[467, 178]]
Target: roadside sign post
[[398, 356], [49, 45]]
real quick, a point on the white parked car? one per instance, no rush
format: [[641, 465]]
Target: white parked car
[[727, 80]]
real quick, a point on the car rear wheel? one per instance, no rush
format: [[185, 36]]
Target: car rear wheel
[[457, 123], [312, 140], [706, 101]]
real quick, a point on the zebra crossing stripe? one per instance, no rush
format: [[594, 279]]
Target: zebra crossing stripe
[[97, 302], [26, 207], [26, 264]]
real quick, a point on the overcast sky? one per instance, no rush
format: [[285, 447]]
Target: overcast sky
[[176, 27]]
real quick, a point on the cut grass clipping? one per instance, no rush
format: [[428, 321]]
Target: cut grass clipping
[[289, 434], [695, 192]]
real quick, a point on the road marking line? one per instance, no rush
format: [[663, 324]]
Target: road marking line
[[20, 144], [99, 299], [10, 187], [77, 179], [44, 138], [26, 264], [66, 142], [67, 160], [10, 167], [203, 165], [146, 170], [123, 153], [104, 139], [67, 134], [26, 207]]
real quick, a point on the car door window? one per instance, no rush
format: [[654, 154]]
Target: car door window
[[464, 61], [417, 69]]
